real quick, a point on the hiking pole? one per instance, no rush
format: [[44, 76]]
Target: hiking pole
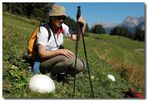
[[85, 52], [76, 49], [92, 94], [79, 31]]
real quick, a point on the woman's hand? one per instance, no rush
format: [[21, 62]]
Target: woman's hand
[[66, 52], [83, 22]]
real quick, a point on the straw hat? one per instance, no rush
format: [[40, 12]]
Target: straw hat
[[57, 10]]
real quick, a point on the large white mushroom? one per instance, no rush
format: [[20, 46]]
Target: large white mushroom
[[41, 83]]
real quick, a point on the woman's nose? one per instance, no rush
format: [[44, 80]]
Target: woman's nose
[[61, 20]]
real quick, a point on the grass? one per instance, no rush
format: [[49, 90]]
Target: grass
[[114, 55]]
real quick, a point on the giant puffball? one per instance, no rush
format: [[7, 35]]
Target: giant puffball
[[41, 83]]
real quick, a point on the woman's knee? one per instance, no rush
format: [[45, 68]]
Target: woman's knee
[[80, 65]]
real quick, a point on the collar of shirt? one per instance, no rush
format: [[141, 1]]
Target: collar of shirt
[[59, 31]]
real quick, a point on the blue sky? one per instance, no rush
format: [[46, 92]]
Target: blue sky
[[95, 12]]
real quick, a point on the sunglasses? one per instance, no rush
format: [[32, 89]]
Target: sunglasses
[[60, 17]]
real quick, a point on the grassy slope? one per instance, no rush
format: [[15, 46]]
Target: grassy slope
[[106, 55]]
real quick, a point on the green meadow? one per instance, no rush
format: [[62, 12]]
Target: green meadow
[[119, 56]]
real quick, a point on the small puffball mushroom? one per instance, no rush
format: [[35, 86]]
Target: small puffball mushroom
[[111, 77]]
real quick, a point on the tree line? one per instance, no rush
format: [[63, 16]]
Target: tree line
[[39, 11], [139, 34]]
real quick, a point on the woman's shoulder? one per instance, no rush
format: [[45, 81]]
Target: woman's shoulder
[[43, 31]]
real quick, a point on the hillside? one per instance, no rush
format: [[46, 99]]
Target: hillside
[[119, 56]]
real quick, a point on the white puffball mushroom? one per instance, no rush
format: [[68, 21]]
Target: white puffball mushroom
[[41, 83], [92, 77], [111, 77]]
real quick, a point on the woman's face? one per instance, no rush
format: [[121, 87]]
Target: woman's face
[[57, 21]]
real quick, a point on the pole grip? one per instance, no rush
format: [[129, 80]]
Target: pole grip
[[78, 12], [79, 25]]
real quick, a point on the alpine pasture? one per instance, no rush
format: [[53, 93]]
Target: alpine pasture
[[121, 57]]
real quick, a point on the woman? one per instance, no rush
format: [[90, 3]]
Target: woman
[[57, 60]]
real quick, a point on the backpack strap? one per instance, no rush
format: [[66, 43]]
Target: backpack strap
[[55, 40], [46, 25]]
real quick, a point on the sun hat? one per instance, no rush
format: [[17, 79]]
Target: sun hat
[[57, 10]]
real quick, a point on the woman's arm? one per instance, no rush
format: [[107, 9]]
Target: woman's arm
[[83, 22], [43, 53]]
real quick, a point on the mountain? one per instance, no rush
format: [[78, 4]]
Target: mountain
[[108, 29], [141, 25], [108, 26], [133, 22]]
